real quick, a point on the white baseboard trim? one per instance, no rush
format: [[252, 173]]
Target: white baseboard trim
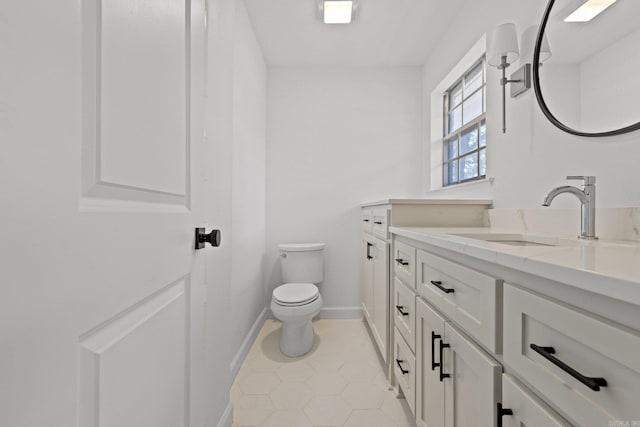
[[238, 359], [341, 313], [227, 416], [332, 313]]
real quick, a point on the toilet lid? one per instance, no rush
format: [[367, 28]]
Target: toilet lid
[[295, 293]]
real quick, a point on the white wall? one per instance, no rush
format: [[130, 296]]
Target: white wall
[[248, 178], [533, 156], [337, 138]]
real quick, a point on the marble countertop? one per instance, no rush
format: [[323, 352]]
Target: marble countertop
[[583, 264], [426, 201]]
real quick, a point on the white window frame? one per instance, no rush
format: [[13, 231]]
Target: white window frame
[[464, 128], [435, 136]]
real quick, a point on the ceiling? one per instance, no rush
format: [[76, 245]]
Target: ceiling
[[385, 33]]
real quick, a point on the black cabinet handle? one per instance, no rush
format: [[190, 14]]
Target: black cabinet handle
[[377, 222], [401, 261], [399, 363], [434, 365], [438, 284], [400, 309], [502, 412], [369, 245], [366, 220], [443, 345], [594, 383]]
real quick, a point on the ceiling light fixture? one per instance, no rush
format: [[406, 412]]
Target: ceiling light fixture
[[589, 10], [337, 11]]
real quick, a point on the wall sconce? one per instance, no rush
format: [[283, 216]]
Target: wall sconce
[[521, 79], [502, 51]]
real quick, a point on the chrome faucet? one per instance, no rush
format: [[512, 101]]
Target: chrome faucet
[[587, 198]]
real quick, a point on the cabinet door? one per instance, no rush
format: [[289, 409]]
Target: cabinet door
[[429, 388], [527, 410], [366, 287], [381, 295], [472, 388]]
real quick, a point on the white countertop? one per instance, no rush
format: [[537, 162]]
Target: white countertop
[[606, 267], [427, 201]]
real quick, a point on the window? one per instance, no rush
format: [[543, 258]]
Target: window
[[465, 131]]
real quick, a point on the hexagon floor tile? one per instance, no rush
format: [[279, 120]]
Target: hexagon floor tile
[[291, 395], [327, 411], [339, 383]]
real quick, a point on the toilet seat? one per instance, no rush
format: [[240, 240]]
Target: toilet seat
[[295, 294]]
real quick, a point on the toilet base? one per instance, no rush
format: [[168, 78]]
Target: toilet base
[[297, 338]]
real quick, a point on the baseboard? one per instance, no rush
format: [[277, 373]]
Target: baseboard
[[236, 363], [341, 313], [227, 417], [332, 313]]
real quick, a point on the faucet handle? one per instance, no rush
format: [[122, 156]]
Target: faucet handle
[[586, 179]]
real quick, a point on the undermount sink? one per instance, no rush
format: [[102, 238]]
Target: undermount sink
[[515, 239]]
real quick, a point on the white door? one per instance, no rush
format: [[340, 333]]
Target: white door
[[524, 408], [103, 182], [429, 385], [366, 287], [471, 383], [381, 295]]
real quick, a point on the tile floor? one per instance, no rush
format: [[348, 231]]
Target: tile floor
[[340, 382]]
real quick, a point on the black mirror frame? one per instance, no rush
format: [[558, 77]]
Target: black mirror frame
[[541, 102]]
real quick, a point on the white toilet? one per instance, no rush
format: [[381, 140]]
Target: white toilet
[[297, 301]]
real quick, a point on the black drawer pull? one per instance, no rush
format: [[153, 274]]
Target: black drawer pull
[[377, 222], [502, 412], [594, 383], [443, 345], [438, 284], [366, 220], [400, 309], [434, 365], [401, 261], [399, 363]]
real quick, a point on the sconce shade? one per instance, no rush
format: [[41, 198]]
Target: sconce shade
[[503, 41], [528, 44]]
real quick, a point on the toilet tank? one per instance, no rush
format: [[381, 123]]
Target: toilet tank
[[301, 262]]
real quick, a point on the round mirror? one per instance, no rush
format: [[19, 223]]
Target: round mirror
[[589, 85]]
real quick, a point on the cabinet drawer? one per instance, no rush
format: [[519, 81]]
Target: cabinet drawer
[[405, 313], [380, 221], [591, 347], [404, 263], [404, 369], [367, 220], [467, 297], [527, 409]]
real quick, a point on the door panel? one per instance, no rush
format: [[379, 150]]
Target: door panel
[[429, 388], [367, 280], [527, 409], [473, 388], [102, 319], [381, 295]]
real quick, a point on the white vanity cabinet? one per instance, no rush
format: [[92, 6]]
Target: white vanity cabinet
[[378, 256], [498, 344]]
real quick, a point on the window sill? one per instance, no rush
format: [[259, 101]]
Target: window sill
[[484, 181]]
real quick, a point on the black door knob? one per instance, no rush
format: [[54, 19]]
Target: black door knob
[[212, 238]]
